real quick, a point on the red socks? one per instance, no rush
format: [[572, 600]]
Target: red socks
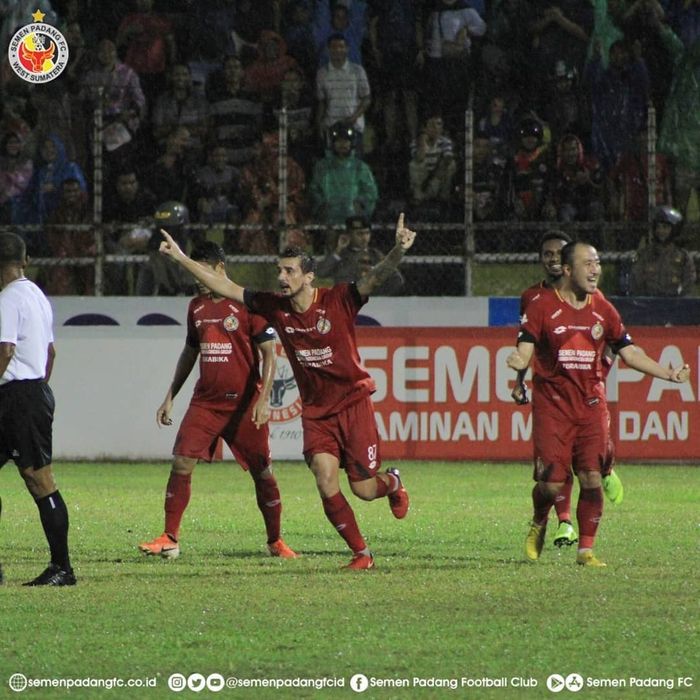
[[541, 503], [177, 496], [339, 512], [270, 504], [588, 514], [562, 501]]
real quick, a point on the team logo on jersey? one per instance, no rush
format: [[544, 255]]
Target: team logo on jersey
[[323, 325], [285, 403], [559, 330], [597, 331], [231, 323], [38, 52]]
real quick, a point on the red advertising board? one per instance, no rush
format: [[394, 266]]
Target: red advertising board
[[444, 393]]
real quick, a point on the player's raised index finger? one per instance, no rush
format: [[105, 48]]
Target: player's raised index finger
[[400, 221], [166, 235]]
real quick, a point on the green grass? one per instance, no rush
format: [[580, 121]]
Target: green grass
[[450, 597]]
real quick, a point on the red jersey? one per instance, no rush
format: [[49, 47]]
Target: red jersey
[[531, 293], [224, 332], [320, 346], [569, 345]]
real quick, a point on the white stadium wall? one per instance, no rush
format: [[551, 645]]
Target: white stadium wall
[[443, 391]]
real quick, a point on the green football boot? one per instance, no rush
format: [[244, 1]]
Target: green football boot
[[612, 488], [565, 535]]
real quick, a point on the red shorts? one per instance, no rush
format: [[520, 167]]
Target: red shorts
[[562, 442], [201, 429], [351, 436]]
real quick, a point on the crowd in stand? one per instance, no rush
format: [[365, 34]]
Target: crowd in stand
[[374, 93]]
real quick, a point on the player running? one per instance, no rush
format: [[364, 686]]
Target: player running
[[316, 328]]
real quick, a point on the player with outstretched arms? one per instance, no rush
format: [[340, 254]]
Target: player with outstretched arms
[[316, 326], [551, 245], [566, 330]]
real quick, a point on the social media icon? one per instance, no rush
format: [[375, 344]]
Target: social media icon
[[18, 682], [359, 683], [215, 682], [574, 682], [556, 683], [177, 682], [196, 682]]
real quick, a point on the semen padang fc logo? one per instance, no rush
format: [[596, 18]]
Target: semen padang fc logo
[[38, 52], [285, 404]]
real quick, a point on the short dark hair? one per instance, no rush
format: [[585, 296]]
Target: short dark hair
[[555, 235], [307, 262], [12, 249], [567, 252], [336, 36], [208, 251]]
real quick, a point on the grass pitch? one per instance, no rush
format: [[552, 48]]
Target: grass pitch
[[450, 603]]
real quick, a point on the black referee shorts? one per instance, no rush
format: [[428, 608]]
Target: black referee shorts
[[26, 423]]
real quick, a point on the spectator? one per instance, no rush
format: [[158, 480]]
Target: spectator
[[122, 100], [45, 187], [129, 207], [346, 18], [260, 187], [497, 126], [488, 185], [294, 96], [619, 95], [561, 31], [628, 182], [680, 129], [684, 19], [565, 108], [236, 115], [264, 76], [662, 268], [394, 35], [298, 34], [149, 44], [157, 277], [169, 175], [342, 184], [217, 187], [448, 68], [180, 106], [342, 91], [577, 188], [16, 169], [65, 242], [432, 168], [353, 257], [529, 174]]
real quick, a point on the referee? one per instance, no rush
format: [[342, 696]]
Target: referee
[[27, 403]]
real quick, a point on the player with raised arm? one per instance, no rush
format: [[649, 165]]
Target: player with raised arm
[[566, 330], [551, 244], [230, 401], [316, 326]]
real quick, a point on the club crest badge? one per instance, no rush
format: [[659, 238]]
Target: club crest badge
[[323, 325], [231, 323], [597, 331], [38, 52]]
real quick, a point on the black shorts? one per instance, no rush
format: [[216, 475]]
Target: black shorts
[[26, 423]]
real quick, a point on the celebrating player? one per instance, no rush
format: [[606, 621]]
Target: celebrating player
[[550, 256], [228, 402], [316, 328], [567, 329]]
